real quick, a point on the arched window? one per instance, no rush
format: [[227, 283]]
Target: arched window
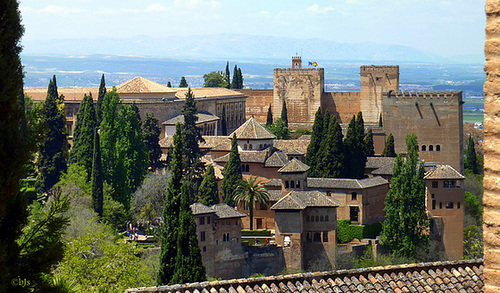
[[424, 148], [321, 218], [317, 218], [431, 148], [326, 218], [245, 146], [438, 148], [260, 146], [247, 168], [250, 146]]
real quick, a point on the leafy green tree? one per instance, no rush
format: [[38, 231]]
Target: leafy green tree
[[151, 133], [100, 99], [227, 76], [284, 115], [208, 193], [109, 134], [405, 227], [280, 129], [214, 79], [97, 177], [473, 242], [168, 232], [368, 144], [269, 120], [473, 208], [331, 158], [224, 121], [169, 84], [183, 82], [232, 173], [314, 146], [189, 267], [389, 147], [52, 155], [83, 138], [249, 192], [355, 156], [470, 161]]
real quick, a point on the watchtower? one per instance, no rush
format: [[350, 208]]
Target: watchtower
[[297, 62], [376, 80]]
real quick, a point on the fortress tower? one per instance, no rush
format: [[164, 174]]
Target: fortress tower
[[374, 81]]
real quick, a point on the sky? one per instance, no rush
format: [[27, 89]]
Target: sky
[[446, 28]]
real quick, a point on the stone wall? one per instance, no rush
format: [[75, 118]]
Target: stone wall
[[342, 105], [266, 259], [258, 102], [374, 81]]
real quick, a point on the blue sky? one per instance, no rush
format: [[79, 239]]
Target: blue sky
[[446, 28]]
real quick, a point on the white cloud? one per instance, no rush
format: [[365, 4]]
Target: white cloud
[[156, 7], [61, 10], [315, 8]]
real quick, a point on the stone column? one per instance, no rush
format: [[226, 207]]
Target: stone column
[[491, 198]]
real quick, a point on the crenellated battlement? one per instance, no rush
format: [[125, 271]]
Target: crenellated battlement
[[297, 70], [379, 69], [423, 94]]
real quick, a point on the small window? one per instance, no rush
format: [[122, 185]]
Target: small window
[[204, 249], [286, 241], [260, 146], [354, 196], [316, 219], [317, 236], [245, 146], [354, 214], [286, 184], [326, 218], [292, 184], [424, 148], [438, 148], [202, 236], [440, 205], [433, 195], [208, 220], [458, 205], [325, 236], [308, 219], [449, 184], [298, 184], [431, 148], [202, 220], [309, 237], [321, 218], [250, 146], [449, 205], [247, 168], [434, 204], [434, 184]]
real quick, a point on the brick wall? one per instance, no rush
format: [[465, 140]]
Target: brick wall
[[258, 102]]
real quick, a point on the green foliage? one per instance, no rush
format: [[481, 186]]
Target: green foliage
[[76, 175], [354, 149], [389, 147], [284, 113], [473, 242], [249, 192], [183, 82], [368, 144], [301, 131], [53, 150], [97, 177], [114, 213], [269, 120], [314, 146], [151, 133], [240, 79], [280, 129], [148, 199], [208, 193], [473, 183], [227, 76], [109, 134], [256, 233], [346, 232], [232, 173], [100, 99], [406, 224], [474, 207], [470, 161], [257, 275], [237, 82], [214, 79], [380, 124], [169, 84], [331, 154], [224, 121]]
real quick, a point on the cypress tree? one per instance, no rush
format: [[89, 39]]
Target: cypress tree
[[284, 115], [183, 82], [326, 122], [406, 225], [109, 134], [168, 232], [380, 121], [315, 144], [100, 98], [169, 84], [470, 161], [208, 193], [269, 121], [332, 153], [368, 144], [224, 121], [240, 79], [52, 158], [83, 138], [355, 150], [389, 147], [227, 76], [97, 177], [151, 133], [15, 145], [235, 84], [232, 173], [189, 267]]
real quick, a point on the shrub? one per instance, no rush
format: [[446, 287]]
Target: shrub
[[347, 232]]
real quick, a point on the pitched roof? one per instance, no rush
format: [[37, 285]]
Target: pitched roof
[[246, 157], [275, 195], [294, 166], [343, 183], [211, 142], [252, 129], [291, 145], [273, 182], [296, 152], [142, 85], [70, 93], [198, 209], [223, 211], [277, 159], [443, 172], [299, 200], [444, 276], [208, 92], [380, 165], [202, 117]]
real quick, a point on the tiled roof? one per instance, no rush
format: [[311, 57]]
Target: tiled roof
[[210, 141], [299, 200], [273, 182], [296, 152], [343, 183], [294, 166], [443, 172], [142, 85], [223, 211], [246, 157], [198, 209], [291, 145], [207, 92], [252, 129], [381, 165], [202, 117], [275, 195], [70, 93], [446, 276], [277, 159]]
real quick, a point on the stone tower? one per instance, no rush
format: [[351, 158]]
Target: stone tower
[[301, 88], [374, 81]]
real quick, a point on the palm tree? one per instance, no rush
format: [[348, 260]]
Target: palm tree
[[248, 192]]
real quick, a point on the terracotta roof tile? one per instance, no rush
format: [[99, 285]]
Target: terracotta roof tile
[[294, 166], [202, 117], [299, 200], [252, 129], [343, 183], [208, 92], [291, 145], [246, 157], [273, 182], [142, 85], [443, 172], [277, 159]]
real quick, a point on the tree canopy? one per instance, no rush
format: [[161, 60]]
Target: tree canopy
[[232, 173], [389, 147], [269, 120], [183, 82], [248, 193], [315, 144], [214, 79], [470, 161], [151, 133], [100, 98], [208, 193]]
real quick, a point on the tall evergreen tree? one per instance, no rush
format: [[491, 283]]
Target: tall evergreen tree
[[100, 98], [284, 114], [168, 232], [470, 161], [52, 158], [183, 82], [232, 173], [189, 267], [151, 133], [380, 124], [97, 177], [368, 144], [227, 76], [406, 225], [109, 134], [240, 79], [208, 193], [83, 138], [269, 120], [326, 123], [235, 83], [355, 157], [389, 147], [169, 84], [332, 152], [315, 144], [224, 121]]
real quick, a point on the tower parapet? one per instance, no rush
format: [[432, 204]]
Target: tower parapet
[[423, 94]]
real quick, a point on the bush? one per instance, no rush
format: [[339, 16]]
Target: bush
[[255, 233], [347, 232]]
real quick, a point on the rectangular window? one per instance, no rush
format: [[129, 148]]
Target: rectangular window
[[309, 237], [449, 184], [354, 214], [286, 242], [449, 205], [440, 205], [204, 248], [434, 184], [434, 204], [458, 205], [292, 184], [354, 196], [286, 184], [208, 220], [298, 184], [433, 195], [317, 236], [202, 220], [202, 236], [325, 236]]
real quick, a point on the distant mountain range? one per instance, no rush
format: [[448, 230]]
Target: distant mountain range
[[231, 46]]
